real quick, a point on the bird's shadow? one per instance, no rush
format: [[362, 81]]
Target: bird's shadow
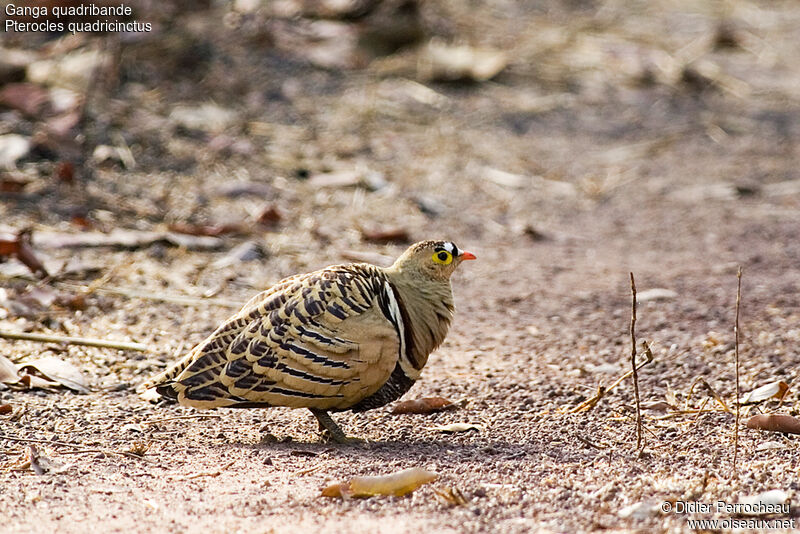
[[396, 449]]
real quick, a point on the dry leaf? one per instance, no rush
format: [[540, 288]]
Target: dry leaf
[[424, 405], [458, 427], [336, 490], [397, 484], [59, 371], [6, 409], [37, 382], [8, 371], [775, 423], [19, 246], [774, 389]]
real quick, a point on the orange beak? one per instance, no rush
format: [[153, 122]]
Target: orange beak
[[467, 256]]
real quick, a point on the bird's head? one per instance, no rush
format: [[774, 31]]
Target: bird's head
[[434, 259]]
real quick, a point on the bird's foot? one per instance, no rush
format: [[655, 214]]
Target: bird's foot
[[342, 439], [330, 430]]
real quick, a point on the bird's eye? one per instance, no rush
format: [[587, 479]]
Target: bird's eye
[[443, 257]]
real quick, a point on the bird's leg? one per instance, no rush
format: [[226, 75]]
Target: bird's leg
[[326, 422]]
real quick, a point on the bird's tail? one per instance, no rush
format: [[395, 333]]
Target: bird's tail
[[193, 381], [164, 381]]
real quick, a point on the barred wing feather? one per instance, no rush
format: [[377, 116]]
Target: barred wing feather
[[323, 340]]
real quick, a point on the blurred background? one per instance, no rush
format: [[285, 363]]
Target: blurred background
[[313, 126]]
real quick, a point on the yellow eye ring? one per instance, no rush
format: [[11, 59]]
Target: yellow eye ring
[[442, 257]]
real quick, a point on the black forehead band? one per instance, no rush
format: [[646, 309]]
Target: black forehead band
[[440, 248]]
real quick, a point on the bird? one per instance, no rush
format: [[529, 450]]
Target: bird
[[347, 337]]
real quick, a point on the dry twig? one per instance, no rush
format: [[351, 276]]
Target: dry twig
[[175, 418], [736, 357], [214, 473], [705, 384], [602, 391], [633, 366], [451, 495], [680, 436], [308, 470], [591, 402], [52, 338], [44, 441], [79, 448], [127, 454], [678, 413], [589, 443]]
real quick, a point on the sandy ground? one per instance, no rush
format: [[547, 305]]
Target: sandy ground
[[607, 146]]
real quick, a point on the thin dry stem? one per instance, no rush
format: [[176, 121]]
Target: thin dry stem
[[52, 338], [110, 452], [79, 448], [589, 443], [177, 417], [602, 391], [702, 381], [213, 473], [736, 357], [45, 441], [633, 365]]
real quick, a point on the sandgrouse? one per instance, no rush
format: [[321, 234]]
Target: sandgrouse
[[347, 337]]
